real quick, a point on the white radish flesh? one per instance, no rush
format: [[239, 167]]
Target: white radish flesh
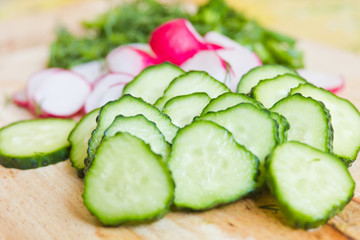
[[91, 70], [176, 41], [114, 92], [129, 59], [330, 82], [61, 94], [102, 86], [36, 79]]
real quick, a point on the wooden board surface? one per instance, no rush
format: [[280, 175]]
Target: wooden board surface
[[46, 203]]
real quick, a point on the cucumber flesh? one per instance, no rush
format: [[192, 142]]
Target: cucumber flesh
[[127, 182], [270, 91], [253, 77], [183, 109], [209, 168], [311, 186], [35, 143], [128, 106], [309, 121], [226, 100], [345, 119], [191, 82], [251, 127], [151, 83], [142, 128], [283, 125], [79, 138]]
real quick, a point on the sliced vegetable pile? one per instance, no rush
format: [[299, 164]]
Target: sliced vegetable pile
[[192, 143]]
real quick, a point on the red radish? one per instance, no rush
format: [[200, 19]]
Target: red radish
[[20, 98], [102, 86], [210, 62], [330, 82], [61, 94], [130, 59], [91, 70], [176, 41], [218, 39]]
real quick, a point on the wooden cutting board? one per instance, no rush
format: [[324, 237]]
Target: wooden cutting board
[[46, 203]]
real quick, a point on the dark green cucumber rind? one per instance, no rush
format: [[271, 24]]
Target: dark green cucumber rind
[[129, 88], [185, 77], [195, 100], [218, 202], [350, 158], [76, 162], [240, 98], [132, 220], [262, 172], [295, 218], [38, 160], [283, 126], [109, 132], [254, 91], [328, 147], [253, 72], [116, 106]]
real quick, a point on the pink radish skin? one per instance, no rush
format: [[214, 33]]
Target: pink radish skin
[[61, 94], [129, 59], [210, 62], [102, 86], [20, 98], [91, 70], [176, 41], [331, 82]]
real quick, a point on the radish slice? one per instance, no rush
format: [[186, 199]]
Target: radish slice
[[241, 60], [20, 98], [36, 80], [176, 41], [210, 62], [91, 70], [114, 92], [330, 82], [102, 86], [129, 59], [61, 94], [218, 39]]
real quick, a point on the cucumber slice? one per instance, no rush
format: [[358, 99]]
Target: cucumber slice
[[128, 106], [270, 91], [309, 121], [191, 82], [183, 109], [127, 182], [209, 168], [283, 126], [79, 138], [311, 186], [151, 83], [226, 100], [252, 127], [345, 119], [142, 128], [252, 77], [35, 143]]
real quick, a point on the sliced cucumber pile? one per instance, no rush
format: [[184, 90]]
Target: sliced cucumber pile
[[310, 185], [35, 143], [225, 146]]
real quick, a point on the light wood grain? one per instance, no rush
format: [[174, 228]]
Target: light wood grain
[[46, 203]]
